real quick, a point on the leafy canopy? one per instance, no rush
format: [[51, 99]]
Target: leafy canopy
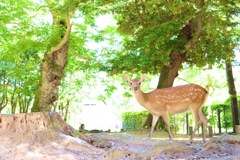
[[152, 29]]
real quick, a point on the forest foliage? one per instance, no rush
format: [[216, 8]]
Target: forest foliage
[[139, 39]]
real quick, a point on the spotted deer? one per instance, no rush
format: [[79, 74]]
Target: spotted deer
[[173, 100]]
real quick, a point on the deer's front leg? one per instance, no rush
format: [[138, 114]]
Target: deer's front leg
[[154, 121]]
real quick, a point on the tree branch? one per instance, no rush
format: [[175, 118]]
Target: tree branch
[[77, 55], [65, 38], [198, 31]]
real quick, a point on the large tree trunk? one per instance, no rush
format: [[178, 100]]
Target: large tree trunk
[[233, 94], [52, 69], [170, 71]]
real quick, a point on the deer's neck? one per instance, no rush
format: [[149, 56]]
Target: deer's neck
[[141, 98]]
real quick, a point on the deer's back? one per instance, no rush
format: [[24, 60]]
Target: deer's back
[[176, 99]]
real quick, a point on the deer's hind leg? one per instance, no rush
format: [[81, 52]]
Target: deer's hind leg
[[195, 112], [204, 120], [166, 120]]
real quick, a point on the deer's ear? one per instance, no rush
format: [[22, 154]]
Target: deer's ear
[[143, 77], [127, 78]]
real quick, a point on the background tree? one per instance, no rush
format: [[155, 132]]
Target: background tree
[[19, 48]]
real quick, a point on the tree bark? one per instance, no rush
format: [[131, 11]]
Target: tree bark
[[219, 121], [170, 71], [52, 69], [232, 93]]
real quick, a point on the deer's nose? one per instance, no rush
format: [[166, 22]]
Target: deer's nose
[[135, 88]]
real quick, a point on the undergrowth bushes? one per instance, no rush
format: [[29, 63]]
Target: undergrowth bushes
[[134, 120]]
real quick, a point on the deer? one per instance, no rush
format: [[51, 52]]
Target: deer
[[172, 100]]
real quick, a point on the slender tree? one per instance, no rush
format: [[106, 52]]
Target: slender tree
[[233, 94]]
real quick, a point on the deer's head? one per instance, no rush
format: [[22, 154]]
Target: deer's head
[[135, 83]]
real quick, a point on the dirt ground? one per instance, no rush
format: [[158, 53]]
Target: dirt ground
[[45, 136], [124, 146]]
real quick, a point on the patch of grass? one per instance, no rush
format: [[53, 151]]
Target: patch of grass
[[159, 135]]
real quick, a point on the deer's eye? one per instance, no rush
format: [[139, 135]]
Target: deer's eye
[[139, 83]]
